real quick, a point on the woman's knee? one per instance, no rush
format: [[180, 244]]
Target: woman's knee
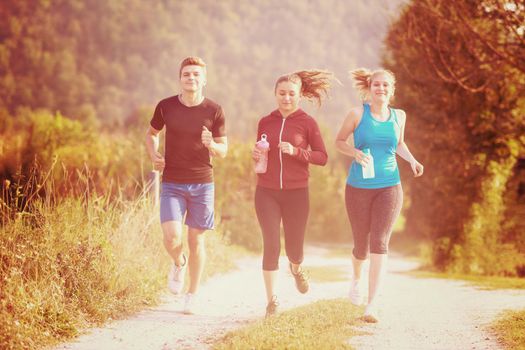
[[271, 250], [296, 259], [360, 253], [361, 245], [294, 249], [379, 246], [270, 262]]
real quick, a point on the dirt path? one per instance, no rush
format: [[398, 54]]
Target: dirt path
[[416, 313], [435, 313]]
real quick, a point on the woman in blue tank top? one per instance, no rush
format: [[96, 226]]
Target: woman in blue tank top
[[373, 195]]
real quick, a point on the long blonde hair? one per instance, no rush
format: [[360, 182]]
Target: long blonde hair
[[363, 78], [314, 84]]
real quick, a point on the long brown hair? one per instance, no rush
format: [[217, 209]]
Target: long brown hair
[[314, 83], [363, 78]]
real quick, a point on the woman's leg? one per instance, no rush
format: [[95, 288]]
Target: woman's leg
[[358, 205], [386, 209], [295, 209], [269, 282], [357, 268], [269, 216]]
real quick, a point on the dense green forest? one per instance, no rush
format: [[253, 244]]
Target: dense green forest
[[103, 65], [79, 81], [103, 60]]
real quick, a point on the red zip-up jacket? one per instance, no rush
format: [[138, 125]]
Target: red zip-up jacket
[[285, 171]]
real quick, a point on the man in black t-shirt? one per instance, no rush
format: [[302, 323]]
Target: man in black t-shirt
[[195, 132]]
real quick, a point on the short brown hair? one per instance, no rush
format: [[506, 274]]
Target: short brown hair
[[192, 61]]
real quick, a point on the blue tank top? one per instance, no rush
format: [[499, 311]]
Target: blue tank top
[[382, 139]]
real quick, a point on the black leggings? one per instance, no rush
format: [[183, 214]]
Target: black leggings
[[372, 214], [290, 205]]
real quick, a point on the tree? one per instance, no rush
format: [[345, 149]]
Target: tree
[[461, 75]]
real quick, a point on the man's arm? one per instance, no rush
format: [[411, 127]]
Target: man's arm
[[218, 146], [152, 146]]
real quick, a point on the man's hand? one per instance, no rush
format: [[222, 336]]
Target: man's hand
[[158, 161], [206, 137]]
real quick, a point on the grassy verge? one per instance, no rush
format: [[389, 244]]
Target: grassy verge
[[510, 329], [482, 282], [326, 324], [78, 265]]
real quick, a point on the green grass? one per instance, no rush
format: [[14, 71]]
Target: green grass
[[326, 324], [510, 329], [482, 282], [328, 273], [74, 265]]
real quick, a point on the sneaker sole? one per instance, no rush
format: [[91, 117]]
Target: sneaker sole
[[369, 319]]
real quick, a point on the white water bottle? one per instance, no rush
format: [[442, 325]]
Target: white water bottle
[[368, 170], [263, 146]]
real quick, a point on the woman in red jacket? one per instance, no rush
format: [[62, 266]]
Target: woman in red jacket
[[282, 192]]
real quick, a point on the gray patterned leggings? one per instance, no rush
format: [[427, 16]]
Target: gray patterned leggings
[[372, 214]]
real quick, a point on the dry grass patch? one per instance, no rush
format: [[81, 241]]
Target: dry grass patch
[[482, 282], [326, 324], [510, 329]]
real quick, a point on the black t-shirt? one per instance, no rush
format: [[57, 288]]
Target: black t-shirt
[[187, 160]]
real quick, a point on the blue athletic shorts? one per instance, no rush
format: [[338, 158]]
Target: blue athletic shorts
[[194, 200]]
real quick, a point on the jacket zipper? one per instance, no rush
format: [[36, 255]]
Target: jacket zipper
[[281, 154]]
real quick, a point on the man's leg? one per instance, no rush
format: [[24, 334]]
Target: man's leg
[[173, 243], [200, 217], [196, 258], [172, 231], [172, 209]]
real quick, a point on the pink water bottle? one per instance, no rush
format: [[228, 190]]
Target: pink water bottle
[[263, 146]]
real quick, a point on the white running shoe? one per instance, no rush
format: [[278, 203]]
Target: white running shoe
[[189, 304], [176, 277], [370, 314], [356, 292]]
